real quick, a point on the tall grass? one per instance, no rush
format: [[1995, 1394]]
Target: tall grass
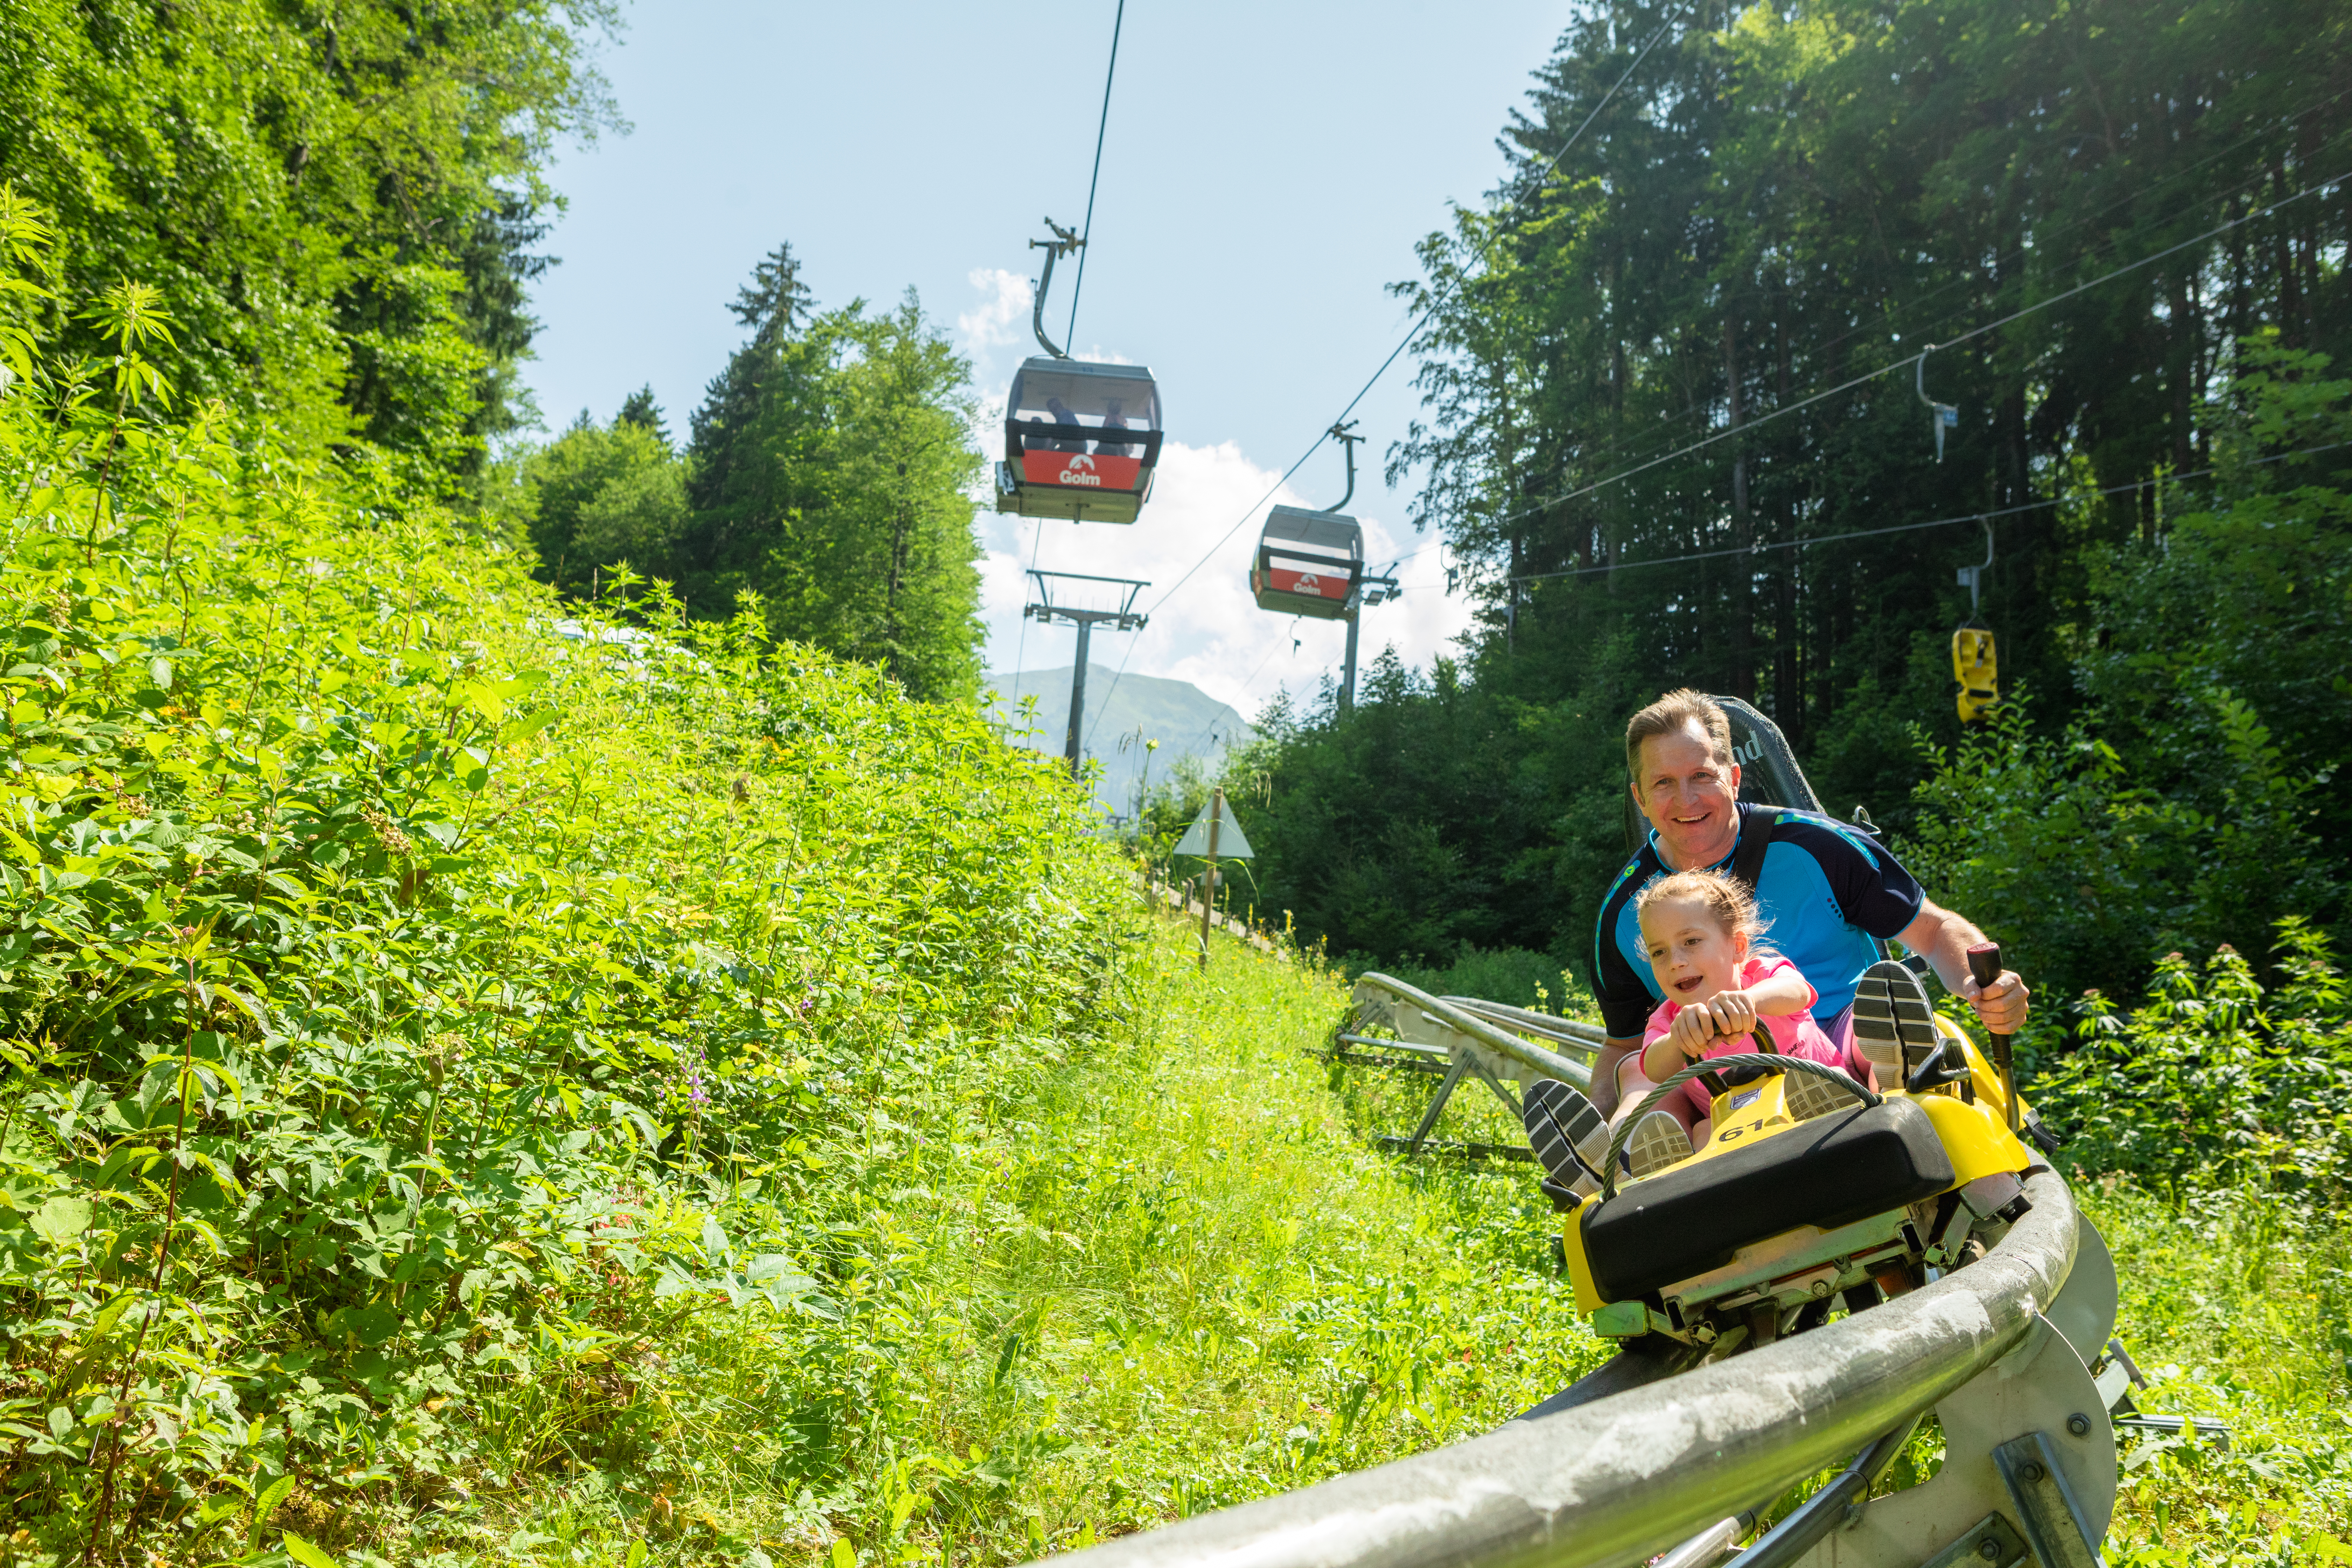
[[2235, 1301], [1164, 1276]]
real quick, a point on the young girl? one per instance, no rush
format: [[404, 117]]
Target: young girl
[[1700, 930]]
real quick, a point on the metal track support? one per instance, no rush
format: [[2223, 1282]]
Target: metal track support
[[2054, 1526], [1460, 1065]]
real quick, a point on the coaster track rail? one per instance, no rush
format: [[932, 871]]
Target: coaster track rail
[[1653, 1454]]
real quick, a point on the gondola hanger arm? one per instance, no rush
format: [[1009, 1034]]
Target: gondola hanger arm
[[1945, 415], [1065, 241], [1972, 577], [1345, 433]]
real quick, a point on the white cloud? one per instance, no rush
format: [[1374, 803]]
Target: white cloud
[[1210, 632], [1001, 319]]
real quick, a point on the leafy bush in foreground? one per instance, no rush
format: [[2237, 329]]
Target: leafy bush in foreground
[[418, 1005], [2211, 1080]]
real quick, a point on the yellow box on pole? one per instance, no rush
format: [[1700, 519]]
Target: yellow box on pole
[[1976, 666]]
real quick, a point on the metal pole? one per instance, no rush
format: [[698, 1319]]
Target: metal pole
[[1347, 681], [1078, 699], [1209, 883]]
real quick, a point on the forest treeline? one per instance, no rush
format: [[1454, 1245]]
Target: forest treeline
[[825, 479], [1674, 433], [341, 207]]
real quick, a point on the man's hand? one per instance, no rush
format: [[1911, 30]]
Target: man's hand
[[2001, 1004]]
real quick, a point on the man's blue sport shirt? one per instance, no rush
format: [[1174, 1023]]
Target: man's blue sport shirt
[[1825, 890]]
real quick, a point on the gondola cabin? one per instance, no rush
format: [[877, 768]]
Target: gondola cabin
[[1308, 563], [1081, 441]]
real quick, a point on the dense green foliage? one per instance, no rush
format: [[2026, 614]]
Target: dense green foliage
[[339, 203], [1784, 201], [826, 486], [418, 1011], [2213, 1079]]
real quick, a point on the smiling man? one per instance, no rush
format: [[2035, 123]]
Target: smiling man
[[1827, 893]]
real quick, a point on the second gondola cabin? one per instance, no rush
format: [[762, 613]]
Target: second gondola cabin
[[1081, 441], [1308, 563]]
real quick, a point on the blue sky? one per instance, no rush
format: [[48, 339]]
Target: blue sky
[[1267, 170]]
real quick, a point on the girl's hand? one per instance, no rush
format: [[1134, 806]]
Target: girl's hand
[[1733, 1012], [1692, 1029]]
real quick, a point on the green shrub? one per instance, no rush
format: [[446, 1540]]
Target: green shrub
[[420, 1005], [2210, 1080]]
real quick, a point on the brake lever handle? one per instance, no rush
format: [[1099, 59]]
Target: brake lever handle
[[1984, 968], [1936, 1071]]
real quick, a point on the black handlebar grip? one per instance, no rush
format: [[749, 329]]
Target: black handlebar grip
[[1984, 966]]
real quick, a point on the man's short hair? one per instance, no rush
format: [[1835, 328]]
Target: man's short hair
[[1670, 715]]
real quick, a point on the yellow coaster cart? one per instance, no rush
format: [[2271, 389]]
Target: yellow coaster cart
[[1775, 1220]]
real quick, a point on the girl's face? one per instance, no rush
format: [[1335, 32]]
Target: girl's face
[[1692, 955]]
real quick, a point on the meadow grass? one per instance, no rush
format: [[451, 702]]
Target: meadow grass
[[1169, 1277], [1172, 1275], [2235, 1303]]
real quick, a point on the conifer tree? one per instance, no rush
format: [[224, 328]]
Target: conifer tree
[[640, 409]]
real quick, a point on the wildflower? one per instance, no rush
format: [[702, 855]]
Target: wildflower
[[387, 832]]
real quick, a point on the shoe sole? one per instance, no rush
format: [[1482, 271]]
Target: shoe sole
[[1659, 1140], [1567, 1132], [1807, 1096], [1893, 1026]]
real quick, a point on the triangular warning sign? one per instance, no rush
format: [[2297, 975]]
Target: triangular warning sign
[[1231, 843]]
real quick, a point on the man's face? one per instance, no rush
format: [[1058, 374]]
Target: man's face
[[1689, 797]]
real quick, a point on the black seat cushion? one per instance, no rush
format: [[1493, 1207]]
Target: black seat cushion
[[1829, 1171]]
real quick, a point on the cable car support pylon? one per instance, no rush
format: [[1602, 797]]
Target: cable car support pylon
[[1119, 617]]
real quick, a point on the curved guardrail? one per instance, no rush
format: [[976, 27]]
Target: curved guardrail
[[1569, 1031], [1421, 1019], [1636, 1473], [1653, 1455]]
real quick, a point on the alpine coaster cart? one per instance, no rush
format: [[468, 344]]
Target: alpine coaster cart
[[1831, 1229]]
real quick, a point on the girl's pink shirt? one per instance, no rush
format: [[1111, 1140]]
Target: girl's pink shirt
[[1794, 1034]]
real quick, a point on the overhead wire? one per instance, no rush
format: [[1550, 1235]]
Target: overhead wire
[[1208, 729], [1485, 246], [1985, 516], [1086, 232], [1427, 316], [1847, 385], [1021, 642], [1902, 313], [1086, 229], [1439, 297]]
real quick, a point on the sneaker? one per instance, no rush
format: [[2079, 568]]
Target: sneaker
[[1809, 1096], [1893, 1027], [1658, 1140], [1566, 1133]]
